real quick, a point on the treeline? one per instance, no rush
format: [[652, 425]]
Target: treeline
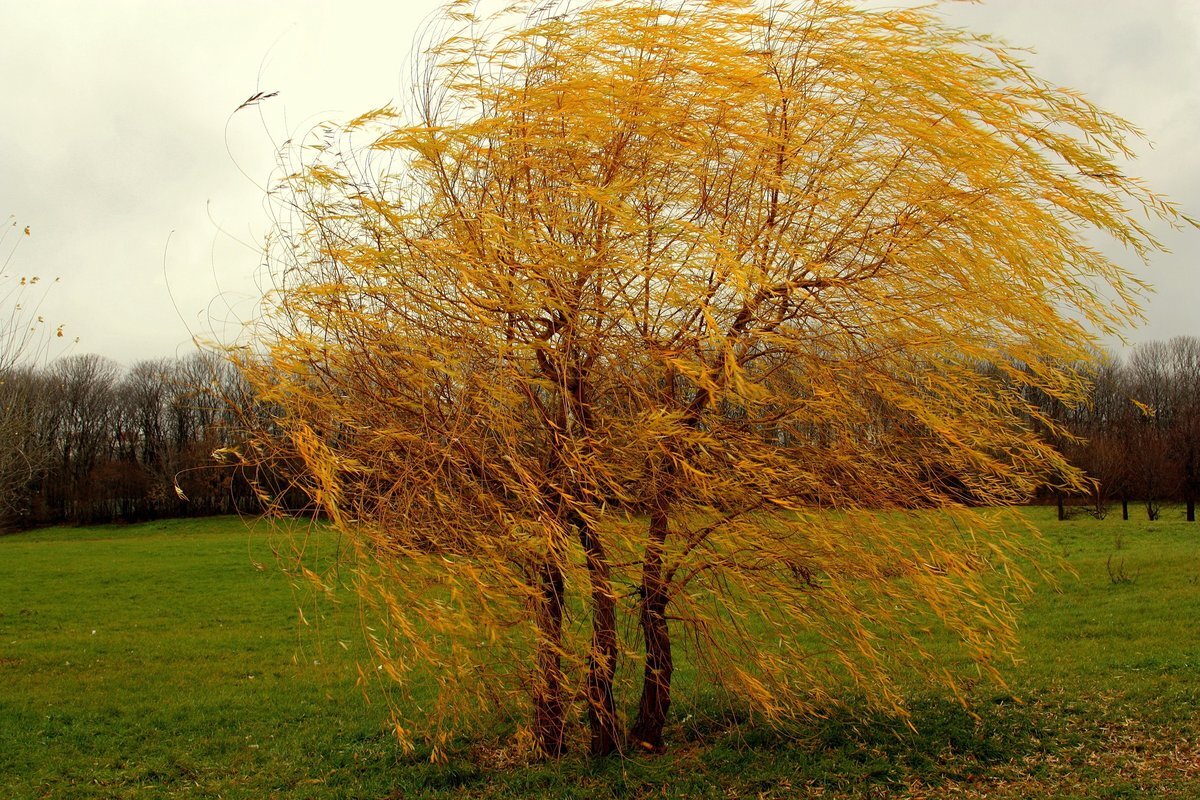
[[85, 441], [1139, 436]]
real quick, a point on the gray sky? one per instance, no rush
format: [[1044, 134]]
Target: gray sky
[[117, 116]]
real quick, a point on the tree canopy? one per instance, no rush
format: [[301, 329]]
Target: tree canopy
[[651, 327]]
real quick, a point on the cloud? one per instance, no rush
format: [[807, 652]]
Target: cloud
[[119, 120]]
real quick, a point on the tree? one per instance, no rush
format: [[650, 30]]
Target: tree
[[676, 312], [1151, 386], [1184, 435], [82, 428], [22, 450], [23, 340], [1107, 429]]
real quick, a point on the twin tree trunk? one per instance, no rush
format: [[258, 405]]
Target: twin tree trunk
[[549, 704], [647, 731]]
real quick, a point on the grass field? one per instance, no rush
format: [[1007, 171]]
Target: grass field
[[169, 660]]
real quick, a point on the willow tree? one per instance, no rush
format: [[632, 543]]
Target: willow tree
[[673, 314]]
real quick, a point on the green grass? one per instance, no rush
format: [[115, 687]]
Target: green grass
[[169, 660]]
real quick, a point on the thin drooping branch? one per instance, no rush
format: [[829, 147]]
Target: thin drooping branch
[[755, 273]]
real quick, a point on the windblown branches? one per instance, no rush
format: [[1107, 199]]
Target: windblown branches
[[668, 297]]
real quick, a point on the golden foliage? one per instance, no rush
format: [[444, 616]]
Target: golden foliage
[[653, 324]]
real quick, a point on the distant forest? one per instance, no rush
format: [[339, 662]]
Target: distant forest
[[85, 441], [1138, 437]]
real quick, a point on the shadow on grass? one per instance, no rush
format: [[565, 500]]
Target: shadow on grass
[[852, 747], [848, 751]]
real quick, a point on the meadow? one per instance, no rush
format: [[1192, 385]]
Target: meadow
[[175, 659]]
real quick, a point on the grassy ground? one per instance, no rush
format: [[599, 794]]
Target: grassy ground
[[169, 659]]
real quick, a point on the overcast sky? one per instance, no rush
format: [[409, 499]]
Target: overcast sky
[[120, 149]]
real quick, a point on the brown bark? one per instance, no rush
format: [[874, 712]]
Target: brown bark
[[602, 659], [549, 709], [655, 702]]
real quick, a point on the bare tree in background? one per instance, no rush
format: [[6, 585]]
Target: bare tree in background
[[1151, 387], [1184, 435], [24, 337]]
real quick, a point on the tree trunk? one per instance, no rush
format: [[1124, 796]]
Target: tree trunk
[[656, 679], [602, 659], [1191, 509], [1125, 508], [1062, 512], [548, 708]]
